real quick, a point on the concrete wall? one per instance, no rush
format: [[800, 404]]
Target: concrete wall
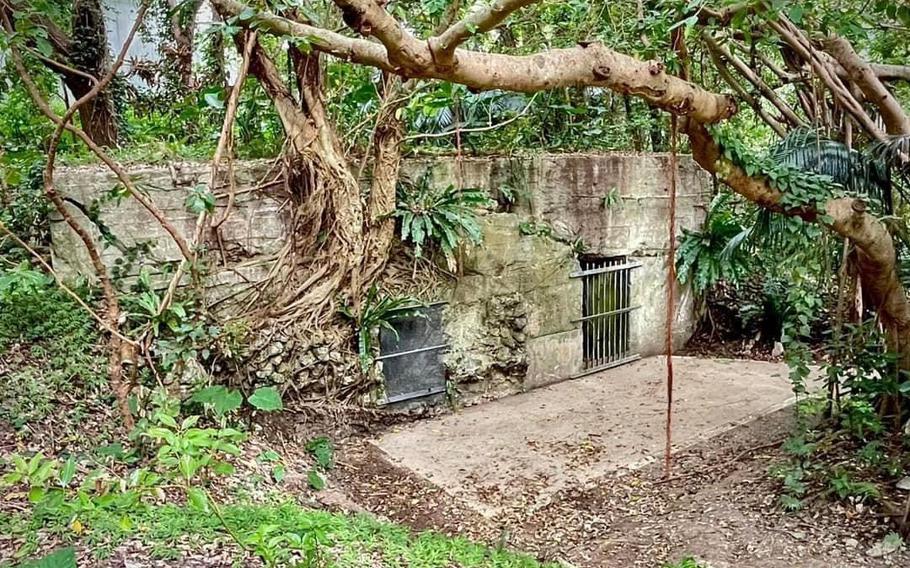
[[566, 193], [255, 230], [512, 315]]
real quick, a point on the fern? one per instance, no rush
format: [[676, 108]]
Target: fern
[[378, 312], [715, 254], [445, 217]]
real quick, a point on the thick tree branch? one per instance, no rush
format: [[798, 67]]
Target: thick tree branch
[[795, 38], [861, 73], [481, 19], [847, 217], [590, 65], [368, 18]]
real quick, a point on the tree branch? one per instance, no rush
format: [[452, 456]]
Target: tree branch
[[861, 73], [795, 38], [848, 218], [368, 18], [587, 65], [756, 105], [754, 79], [481, 19]]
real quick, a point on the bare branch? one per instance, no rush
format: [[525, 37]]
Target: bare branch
[[227, 128], [756, 105], [754, 79], [481, 19], [795, 38], [861, 73]]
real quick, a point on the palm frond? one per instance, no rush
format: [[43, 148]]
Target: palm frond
[[864, 174], [895, 151]]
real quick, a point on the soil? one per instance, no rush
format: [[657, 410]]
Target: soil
[[720, 505]]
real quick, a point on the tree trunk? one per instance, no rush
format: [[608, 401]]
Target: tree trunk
[[387, 137], [89, 54], [183, 34]]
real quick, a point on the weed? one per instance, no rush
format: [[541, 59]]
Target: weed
[[686, 562]]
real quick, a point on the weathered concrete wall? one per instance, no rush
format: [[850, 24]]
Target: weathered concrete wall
[[617, 204], [255, 230], [512, 315]]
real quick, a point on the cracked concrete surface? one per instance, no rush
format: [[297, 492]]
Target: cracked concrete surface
[[517, 452]]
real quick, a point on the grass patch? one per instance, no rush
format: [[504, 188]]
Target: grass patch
[[343, 541]]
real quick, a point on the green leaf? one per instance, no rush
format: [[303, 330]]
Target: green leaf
[[36, 494], [223, 468], [189, 422], [269, 456], [68, 472], [316, 480], [279, 473], [214, 99], [321, 449], [44, 47], [222, 399], [197, 499], [166, 419], [63, 558], [200, 199], [267, 399]]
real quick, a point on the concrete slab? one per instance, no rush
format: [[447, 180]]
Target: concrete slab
[[518, 451]]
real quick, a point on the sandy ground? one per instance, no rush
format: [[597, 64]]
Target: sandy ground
[[517, 452]]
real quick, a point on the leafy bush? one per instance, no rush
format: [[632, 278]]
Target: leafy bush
[[706, 257]]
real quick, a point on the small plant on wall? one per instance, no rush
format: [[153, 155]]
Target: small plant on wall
[[444, 217], [377, 312]]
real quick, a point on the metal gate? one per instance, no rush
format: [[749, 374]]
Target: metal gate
[[606, 310], [411, 357]]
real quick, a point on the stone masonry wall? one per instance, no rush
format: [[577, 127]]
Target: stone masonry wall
[[512, 313]]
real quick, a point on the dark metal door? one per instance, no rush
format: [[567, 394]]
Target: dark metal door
[[412, 362]]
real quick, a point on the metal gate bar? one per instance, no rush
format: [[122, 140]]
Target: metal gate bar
[[606, 312]]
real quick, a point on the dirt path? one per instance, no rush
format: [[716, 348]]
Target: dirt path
[[723, 510]]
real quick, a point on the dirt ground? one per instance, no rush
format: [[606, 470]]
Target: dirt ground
[[515, 453], [720, 506], [614, 507]]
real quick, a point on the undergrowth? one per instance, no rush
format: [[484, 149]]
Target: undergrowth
[[49, 350], [343, 541]]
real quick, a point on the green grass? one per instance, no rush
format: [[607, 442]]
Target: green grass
[[687, 562], [347, 541]]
